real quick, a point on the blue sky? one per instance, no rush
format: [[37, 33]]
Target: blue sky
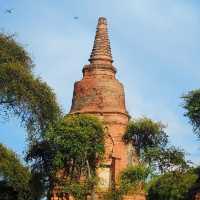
[[155, 46]]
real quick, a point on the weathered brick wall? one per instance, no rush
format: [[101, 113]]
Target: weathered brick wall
[[98, 93], [101, 94]]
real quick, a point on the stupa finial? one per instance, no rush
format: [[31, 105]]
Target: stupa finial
[[101, 51]]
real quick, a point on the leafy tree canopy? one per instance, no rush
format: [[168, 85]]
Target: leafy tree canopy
[[144, 133], [166, 159], [195, 189], [77, 139], [192, 106], [152, 145], [134, 176], [15, 179], [71, 147], [132, 181], [21, 94], [172, 186]]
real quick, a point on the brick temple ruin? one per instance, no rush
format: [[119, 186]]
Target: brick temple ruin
[[99, 93]]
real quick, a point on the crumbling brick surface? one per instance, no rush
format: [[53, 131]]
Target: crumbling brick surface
[[98, 93], [102, 94]]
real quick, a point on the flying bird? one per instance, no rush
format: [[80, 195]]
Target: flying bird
[[76, 17], [8, 11]]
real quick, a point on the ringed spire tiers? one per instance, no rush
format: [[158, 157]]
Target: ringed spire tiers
[[101, 51]]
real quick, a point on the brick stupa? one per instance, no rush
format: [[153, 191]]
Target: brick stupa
[[99, 93]]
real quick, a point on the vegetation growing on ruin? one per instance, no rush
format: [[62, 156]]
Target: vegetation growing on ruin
[[69, 154], [132, 180]]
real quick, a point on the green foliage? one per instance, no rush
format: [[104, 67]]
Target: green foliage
[[134, 176], [15, 179], [27, 97], [80, 189], [37, 187], [195, 187], [165, 159], [132, 180], [21, 93], [144, 133], [151, 143], [77, 139], [72, 147], [12, 52], [172, 186], [192, 106], [116, 194]]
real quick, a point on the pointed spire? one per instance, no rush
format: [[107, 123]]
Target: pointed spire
[[101, 52]]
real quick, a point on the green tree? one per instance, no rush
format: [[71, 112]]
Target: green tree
[[166, 159], [72, 148], [25, 96], [192, 106], [152, 145], [16, 180], [132, 180], [172, 186], [21, 93], [144, 133], [195, 189]]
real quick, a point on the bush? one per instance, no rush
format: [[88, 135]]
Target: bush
[[172, 186]]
